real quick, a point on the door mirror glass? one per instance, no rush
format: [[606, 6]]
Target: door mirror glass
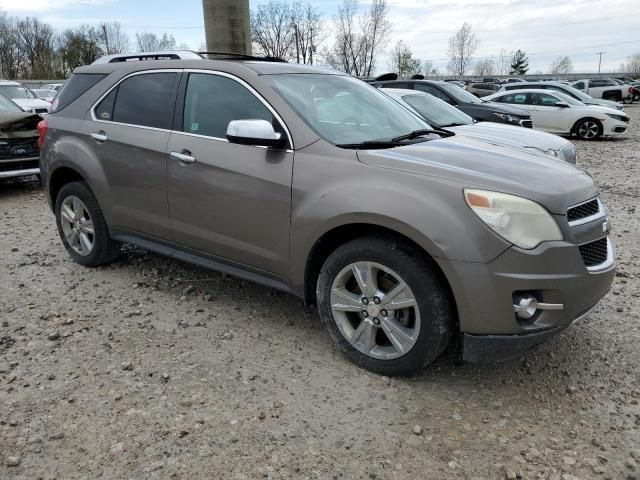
[[254, 132]]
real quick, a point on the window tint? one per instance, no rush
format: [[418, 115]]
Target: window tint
[[74, 87], [579, 85], [543, 99], [212, 101], [104, 110], [516, 98], [423, 87], [144, 100]]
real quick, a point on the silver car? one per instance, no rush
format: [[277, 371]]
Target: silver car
[[440, 114], [312, 182]]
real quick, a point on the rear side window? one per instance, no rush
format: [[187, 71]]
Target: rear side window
[[74, 87], [212, 101], [145, 100]]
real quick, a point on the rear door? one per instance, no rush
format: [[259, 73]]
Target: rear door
[[129, 130], [230, 201]]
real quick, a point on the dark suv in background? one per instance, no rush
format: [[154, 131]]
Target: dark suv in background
[[313, 182], [468, 103]]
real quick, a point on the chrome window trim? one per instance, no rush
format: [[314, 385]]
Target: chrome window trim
[[193, 70], [596, 216]]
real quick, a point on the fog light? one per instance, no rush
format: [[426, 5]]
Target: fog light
[[528, 305]]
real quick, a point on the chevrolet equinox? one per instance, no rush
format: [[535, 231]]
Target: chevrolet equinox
[[405, 235]]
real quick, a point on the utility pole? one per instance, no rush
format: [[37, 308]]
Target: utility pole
[[295, 33], [226, 25], [600, 59]]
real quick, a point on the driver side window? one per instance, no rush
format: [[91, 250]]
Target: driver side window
[[212, 101]]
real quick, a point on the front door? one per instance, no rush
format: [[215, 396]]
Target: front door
[[546, 115], [228, 200]]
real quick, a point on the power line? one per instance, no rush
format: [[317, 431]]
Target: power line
[[544, 53]]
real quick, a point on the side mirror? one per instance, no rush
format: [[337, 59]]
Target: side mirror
[[562, 104], [254, 132]]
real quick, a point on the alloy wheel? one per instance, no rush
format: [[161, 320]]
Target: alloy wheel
[[375, 310], [588, 130], [77, 225]]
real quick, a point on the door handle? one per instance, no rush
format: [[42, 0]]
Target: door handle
[[183, 156], [99, 136]]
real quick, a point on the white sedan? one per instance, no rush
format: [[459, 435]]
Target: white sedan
[[438, 113], [556, 112]]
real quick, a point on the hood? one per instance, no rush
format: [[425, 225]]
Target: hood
[[601, 109], [512, 135], [604, 103], [19, 125], [500, 108], [471, 163], [29, 103]]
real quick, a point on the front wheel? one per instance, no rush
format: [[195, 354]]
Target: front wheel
[[385, 305], [588, 129]]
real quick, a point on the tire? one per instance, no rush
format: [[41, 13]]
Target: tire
[[627, 100], [429, 322], [588, 129], [103, 248]]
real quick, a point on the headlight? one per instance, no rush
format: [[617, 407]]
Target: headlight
[[522, 222], [507, 118], [621, 118]]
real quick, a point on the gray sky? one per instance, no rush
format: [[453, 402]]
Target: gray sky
[[544, 29]]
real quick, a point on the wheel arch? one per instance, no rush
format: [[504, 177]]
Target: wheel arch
[[59, 178], [341, 234]]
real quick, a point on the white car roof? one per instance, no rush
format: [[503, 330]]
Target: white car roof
[[402, 91], [10, 82], [524, 90]]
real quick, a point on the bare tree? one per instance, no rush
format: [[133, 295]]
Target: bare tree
[[402, 61], [633, 64], [150, 42], [10, 55], [36, 45], [78, 47], [272, 29], [503, 62], [113, 39], [561, 65], [484, 67], [461, 48], [358, 38], [308, 31]]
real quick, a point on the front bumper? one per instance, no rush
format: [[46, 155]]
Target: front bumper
[[19, 167], [554, 272], [612, 127]]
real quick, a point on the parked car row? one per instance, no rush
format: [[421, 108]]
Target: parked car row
[[406, 223]]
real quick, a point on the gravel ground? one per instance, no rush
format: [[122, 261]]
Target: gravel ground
[[150, 368]]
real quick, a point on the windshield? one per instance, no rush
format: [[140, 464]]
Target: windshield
[[437, 112], [7, 105], [15, 91], [573, 91], [459, 93], [344, 110]]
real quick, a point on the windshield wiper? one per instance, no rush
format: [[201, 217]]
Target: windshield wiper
[[424, 131], [453, 125], [370, 144]]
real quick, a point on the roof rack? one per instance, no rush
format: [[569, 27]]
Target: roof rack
[[141, 56], [242, 56]]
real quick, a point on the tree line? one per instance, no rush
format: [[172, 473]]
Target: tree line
[[295, 31], [30, 48]]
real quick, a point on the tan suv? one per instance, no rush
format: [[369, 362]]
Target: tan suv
[[313, 182]]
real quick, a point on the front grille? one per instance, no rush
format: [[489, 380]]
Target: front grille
[[594, 253], [18, 147], [583, 210], [526, 123], [19, 165]]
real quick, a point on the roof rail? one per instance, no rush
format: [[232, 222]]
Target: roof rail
[[141, 56], [241, 56]]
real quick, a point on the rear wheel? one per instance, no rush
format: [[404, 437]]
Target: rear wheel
[[588, 129], [82, 227], [385, 305]]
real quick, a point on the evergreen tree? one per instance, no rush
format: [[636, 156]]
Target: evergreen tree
[[519, 63]]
